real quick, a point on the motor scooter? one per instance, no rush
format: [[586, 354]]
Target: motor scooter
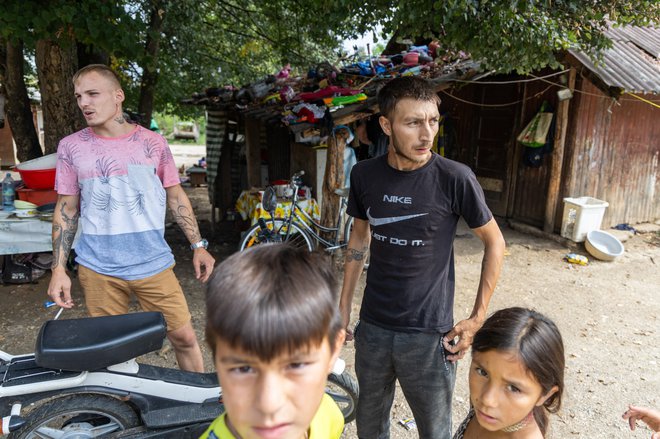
[[83, 381]]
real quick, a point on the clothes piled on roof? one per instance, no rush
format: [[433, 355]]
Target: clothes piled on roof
[[326, 88]]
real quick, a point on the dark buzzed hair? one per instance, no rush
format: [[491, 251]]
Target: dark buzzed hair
[[536, 340], [272, 299], [101, 69], [404, 87]]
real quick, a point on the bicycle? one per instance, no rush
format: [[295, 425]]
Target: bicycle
[[298, 228]]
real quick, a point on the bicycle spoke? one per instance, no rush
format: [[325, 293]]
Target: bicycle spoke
[[297, 240]]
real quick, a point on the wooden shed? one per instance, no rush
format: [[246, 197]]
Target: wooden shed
[[607, 136]]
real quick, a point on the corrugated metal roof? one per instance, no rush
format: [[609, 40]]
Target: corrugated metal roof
[[633, 61]]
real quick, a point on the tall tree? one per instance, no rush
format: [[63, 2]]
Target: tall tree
[[91, 54], [150, 63], [53, 30], [19, 111], [56, 64]]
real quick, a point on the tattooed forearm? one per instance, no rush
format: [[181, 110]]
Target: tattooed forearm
[[57, 242], [67, 240], [353, 254], [185, 218], [71, 222], [63, 235]]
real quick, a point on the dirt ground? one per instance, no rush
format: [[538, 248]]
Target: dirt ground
[[609, 315]]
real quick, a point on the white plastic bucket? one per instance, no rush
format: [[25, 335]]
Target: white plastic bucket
[[581, 216]]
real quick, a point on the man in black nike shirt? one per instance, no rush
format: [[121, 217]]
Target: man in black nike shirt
[[406, 206]]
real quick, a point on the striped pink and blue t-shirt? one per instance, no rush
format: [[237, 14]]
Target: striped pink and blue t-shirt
[[121, 182]]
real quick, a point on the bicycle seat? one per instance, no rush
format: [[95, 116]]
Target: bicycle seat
[[93, 343], [343, 192]]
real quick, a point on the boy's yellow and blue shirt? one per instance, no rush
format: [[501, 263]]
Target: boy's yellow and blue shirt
[[328, 423]]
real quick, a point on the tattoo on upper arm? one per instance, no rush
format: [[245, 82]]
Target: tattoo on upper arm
[[353, 254]]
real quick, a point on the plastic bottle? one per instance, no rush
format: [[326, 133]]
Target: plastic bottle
[[8, 193]]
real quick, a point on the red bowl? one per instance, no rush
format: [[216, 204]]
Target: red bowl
[[38, 179], [38, 196]]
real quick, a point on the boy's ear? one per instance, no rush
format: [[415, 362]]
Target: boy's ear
[[336, 348], [341, 338], [545, 397], [385, 125]]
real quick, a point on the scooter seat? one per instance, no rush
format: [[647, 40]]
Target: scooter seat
[[96, 342]]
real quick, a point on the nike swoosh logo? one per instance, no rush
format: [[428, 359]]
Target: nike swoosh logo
[[389, 220]]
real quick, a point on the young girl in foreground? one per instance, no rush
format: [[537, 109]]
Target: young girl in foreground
[[516, 376]]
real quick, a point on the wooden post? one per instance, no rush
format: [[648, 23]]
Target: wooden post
[[557, 158], [517, 156], [334, 177], [252, 151]]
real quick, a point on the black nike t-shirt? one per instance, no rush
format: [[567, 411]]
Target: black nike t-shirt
[[413, 217]]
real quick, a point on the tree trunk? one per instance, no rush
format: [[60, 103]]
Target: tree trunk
[[56, 65], [90, 54], [150, 67], [334, 179], [19, 113]]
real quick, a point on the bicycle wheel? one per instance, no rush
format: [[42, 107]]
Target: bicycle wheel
[[297, 237], [348, 227], [343, 389]]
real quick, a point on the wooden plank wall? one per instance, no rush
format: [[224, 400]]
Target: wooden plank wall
[[529, 185], [613, 155], [531, 188]]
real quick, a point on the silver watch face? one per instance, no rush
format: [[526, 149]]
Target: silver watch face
[[201, 244]]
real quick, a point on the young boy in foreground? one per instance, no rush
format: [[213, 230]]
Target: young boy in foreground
[[275, 332]]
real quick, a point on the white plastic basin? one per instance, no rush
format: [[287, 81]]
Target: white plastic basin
[[602, 245], [46, 162]]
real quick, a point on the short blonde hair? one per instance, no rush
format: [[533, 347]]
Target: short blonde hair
[[101, 69]]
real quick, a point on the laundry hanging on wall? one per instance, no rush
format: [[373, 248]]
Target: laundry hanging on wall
[[538, 136]]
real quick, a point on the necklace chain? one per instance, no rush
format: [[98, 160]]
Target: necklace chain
[[518, 425]]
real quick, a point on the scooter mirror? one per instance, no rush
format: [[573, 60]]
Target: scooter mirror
[[269, 199]]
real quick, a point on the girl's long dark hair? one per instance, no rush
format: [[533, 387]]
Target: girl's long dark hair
[[538, 343]]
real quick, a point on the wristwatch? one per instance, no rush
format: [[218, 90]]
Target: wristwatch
[[201, 244]]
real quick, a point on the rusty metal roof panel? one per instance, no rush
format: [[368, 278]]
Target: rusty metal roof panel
[[647, 38], [633, 61]]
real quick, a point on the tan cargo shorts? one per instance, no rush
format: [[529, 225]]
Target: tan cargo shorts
[[107, 295]]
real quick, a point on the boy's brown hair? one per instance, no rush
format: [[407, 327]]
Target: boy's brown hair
[[272, 299]]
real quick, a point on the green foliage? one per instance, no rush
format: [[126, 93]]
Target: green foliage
[[221, 42], [203, 42], [106, 24], [218, 42], [505, 35]]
